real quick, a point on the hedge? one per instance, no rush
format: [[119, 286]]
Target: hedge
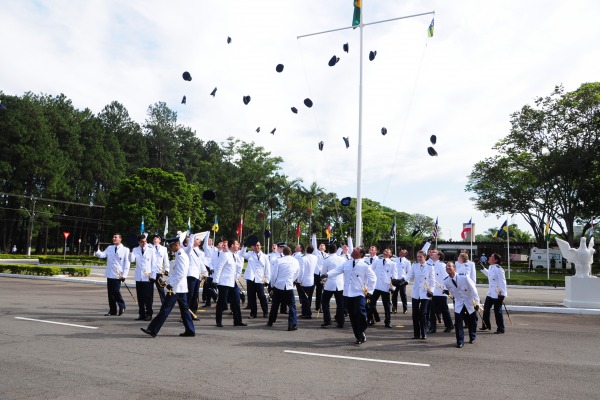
[[44, 271]]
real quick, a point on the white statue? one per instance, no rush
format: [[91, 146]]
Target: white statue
[[581, 257]]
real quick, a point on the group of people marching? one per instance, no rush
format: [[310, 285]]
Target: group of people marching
[[357, 280]]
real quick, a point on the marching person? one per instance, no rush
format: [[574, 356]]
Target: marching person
[[385, 271], [423, 278], [117, 268], [465, 266], [143, 256], [207, 243], [359, 283], [210, 286], [257, 276], [466, 302], [333, 287], [320, 253], [346, 250], [306, 281], [284, 272], [372, 257], [196, 270], [177, 292], [273, 257], [439, 301], [226, 274], [402, 268], [160, 265], [495, 295]]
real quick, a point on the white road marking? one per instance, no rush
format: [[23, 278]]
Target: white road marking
[[357, 358], [57, 323]]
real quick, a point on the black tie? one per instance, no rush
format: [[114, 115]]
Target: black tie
[[115, 249], [454, 281], [384, 261], [353, 263], [371, 260], [142, 251]]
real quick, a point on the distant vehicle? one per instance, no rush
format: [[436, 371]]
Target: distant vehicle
[[539, 258]]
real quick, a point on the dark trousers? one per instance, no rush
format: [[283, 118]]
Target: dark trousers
[[385, 299], [339, 304], [487, 306], [165, 310], [318, 292], [161, 290], [402, 291], [209, 292], [470, 319], [439, 305], [305, 294], [358, 315], [256, 290], [231, 294], [113, 288], [419, 317], [285, 297], [193, 290], [145, 293]]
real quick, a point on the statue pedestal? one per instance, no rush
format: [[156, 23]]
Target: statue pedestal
[[582, 292]]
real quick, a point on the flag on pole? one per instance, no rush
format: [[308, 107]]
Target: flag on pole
[[215, 226], [328, 231], [435, 229], [467, 228], [189, 230], [356, 15], [592, 228], [240, 227], [393, 231], [142, 226], [547, 230], [503, 229], [430, 29], [298, 231], [166, 227]]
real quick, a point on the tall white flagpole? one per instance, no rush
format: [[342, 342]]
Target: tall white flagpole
[[548, 258], [508, 243]]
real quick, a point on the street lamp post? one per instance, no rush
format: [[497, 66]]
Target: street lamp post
[[30, 228]]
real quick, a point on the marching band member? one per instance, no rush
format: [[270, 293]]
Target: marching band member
[[160, 265], [143, 256], [466, 302], [284, 272], [423, 278], [439, 301], [257, 275], [117, 268], [495, 295], [177, 292], [306, 281], [226, 274], [359, 282], [196, 270], [333, 287], [385, 271]]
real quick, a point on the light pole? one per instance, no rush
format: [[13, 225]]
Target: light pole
[[30, 229]]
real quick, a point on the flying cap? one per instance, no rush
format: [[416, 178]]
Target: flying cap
[[415, 232], [251, 240], [156, 235], [347, 141], [246, 99], [433, 139], [294, 110], [267, 233], [308, 102], [334, 60], [258, 129], [372, 55], [183, 100], [228, 40], [321, 145], [186, 76], [273, 131], [345, 47], [384, 131], [280, 244], [346, 201], [432, 151], [213, 92], [279, 68], [209, 195]]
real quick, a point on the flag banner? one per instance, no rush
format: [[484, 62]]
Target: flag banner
[[592, 228], [189, 227], [240, 227], [166, 227], [430, 29], [435, 229], [393, 231], [298, 231], [503, 229], [215, 226], [328, 231], [547, 230], [356, 15], [467, 228], [142, 226]]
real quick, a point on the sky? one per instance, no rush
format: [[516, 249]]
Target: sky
[[485, 61]]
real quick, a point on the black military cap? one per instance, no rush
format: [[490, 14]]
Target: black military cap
[[384, 131], [183, 100], [246, 99], [346, 201], [228, 40], [308, 102], [432, 152], [294, 110], [280, 244], [213, 92], [433, 139], [334, 60], [347, 141], [267, 233], [251, 240], [258, 129], [279, 67], [415, 232], [273, 131], [173, 240], [321, 145], [345, 47], [156, 235], [186, 76], [372, 55], [209, 195]]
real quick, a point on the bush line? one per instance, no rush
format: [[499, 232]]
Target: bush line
[[44, 271]]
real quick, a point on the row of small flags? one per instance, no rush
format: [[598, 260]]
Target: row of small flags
[[356, 18]]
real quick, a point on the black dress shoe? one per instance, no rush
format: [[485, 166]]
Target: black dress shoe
[[306, 316], [325, 325], [358, 342], [404, 312], [448, 329], [459, 345], [472, 341], [240, 324], [484, 328], [251, 317], [394, 310], [139, 319], [109, 315], [364, 338], [121, 312], [499, 331], [265, 315], [388, 326], [269, 324], [147, 332], [148, 318], [195, 319], [416, 337], [219, 325], [423, 337], [206, 306], [293, 328], [339, 326], [187, 334]]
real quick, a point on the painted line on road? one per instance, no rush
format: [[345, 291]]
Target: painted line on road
[[357, 358], [57, 323]]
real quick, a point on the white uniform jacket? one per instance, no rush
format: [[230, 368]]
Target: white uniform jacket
[[210, 252], [370, 260], [467, 268], [421, 273], [178, 275], [439, 270], [117, 261], [274, 256], [308, 269], [228, 268], [160, 261], [331, 262], [258, 269], [464, 292], [497, 281], [284, 271], [197, 260], [143, 262], [357, 276], [385, 271]]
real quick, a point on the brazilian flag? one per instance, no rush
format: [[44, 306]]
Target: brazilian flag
[[356, 16]]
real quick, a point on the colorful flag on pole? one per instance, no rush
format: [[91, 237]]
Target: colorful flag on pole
[[166, 227], [215, 226], [547, 230], [142, 226], [328, 231], [240, 227], [189, 228], [356, 15], [592, 228], [503, 229], [298, 231], [435, 228], [430, 29], [393, 231], [467, 228]]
